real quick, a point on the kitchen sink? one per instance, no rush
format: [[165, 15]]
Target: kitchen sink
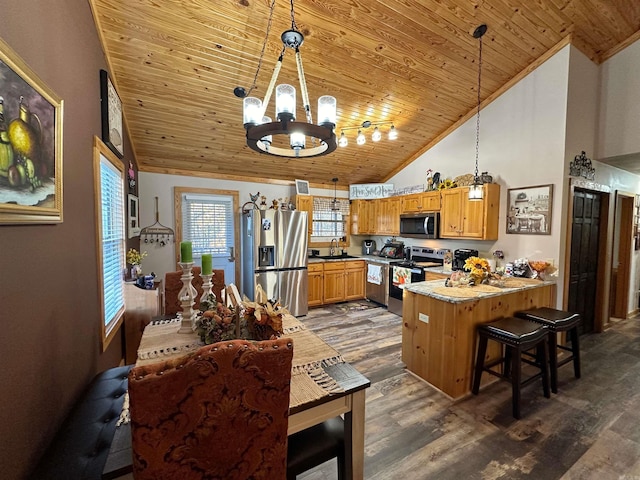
[[333, 257]]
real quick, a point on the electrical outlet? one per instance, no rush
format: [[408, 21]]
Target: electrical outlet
[[423, 317]]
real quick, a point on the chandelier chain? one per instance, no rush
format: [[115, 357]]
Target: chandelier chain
[[293, 19], [478, 112], [264, 45]]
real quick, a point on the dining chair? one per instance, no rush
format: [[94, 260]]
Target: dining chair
[[220, 412], [173, 285]]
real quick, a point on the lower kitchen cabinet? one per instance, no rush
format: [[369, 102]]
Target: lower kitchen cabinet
[[354, 280], [316, 284], [332, 282]]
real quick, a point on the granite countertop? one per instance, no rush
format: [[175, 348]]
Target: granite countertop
[[434, 289]]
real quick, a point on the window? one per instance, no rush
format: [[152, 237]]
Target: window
[[109, 187], [328, 222], [207, 219]]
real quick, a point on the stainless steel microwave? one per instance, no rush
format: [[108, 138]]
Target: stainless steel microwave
[[420, 225]]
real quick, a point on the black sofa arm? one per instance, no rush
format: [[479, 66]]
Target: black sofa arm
[[80, 449]]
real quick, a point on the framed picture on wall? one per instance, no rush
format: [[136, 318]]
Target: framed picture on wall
[[132, 216], [30, 145], [302, 187], [529, 210], [111, 110]]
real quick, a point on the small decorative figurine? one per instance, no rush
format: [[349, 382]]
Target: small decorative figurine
[[274, 204], [263, 202]]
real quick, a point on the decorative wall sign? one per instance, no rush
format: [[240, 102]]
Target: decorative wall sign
[[111, 109], [370, 190], [529, 210], [30, 145], [581, 167]]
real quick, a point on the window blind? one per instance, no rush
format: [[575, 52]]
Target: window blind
[[208, 223], [113, 239]]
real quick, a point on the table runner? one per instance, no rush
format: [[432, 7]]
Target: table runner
[[309, 381]]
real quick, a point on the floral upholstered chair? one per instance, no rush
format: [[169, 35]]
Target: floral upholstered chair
[[173, 285], [218, 413]]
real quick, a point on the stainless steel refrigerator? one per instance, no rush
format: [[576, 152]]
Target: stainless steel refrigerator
[[274, 256]]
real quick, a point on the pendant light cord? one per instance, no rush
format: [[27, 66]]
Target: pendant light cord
[[478, 112]]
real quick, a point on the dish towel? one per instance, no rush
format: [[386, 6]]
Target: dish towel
[[374, 274], [401, 276]]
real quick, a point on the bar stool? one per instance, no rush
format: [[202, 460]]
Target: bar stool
[[558, 321], [517, 335]]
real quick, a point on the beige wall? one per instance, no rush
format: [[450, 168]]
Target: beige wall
[[50, 316]]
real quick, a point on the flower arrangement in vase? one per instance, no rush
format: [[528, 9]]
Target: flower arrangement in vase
[[134, 258], [478, 268]]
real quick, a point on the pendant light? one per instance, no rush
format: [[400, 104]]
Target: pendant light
[[476, 191], [335, 204]]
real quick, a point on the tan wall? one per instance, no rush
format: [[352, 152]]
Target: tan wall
[[49, 299]]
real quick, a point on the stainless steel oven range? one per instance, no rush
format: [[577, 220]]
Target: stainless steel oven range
[[409, 271]]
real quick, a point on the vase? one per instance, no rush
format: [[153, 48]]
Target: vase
[[136, 271]]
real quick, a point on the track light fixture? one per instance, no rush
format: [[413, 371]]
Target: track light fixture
[[376, 136]]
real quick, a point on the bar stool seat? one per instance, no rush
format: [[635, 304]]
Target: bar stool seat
[[558, 321], [517, 335]]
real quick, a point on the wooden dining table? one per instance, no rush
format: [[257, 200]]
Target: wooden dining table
[[323, 386]]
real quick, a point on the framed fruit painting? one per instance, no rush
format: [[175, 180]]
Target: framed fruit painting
[[30, 145]]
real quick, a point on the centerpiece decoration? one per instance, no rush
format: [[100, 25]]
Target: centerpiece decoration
[[478, 268], [263, 317], [134, 258], [217, 322]]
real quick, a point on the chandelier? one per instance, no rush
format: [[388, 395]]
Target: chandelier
[[375, 136], [261, 130], [475, 191]]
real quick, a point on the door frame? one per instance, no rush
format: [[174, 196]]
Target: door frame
[[625, 201], [177, 205], [605, 240]]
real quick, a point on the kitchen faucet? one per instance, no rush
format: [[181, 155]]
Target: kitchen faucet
[[332, 248]]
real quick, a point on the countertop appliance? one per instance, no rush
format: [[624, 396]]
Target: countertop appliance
[[274, 256], [392, 250], [410, 271], [460, 255], [368, 247], [420, 225]]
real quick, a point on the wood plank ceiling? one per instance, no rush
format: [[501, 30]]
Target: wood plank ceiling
[[411, 62]]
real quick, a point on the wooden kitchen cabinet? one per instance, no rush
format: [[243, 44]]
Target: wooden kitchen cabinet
[[464, 218], [354, 280], [388, 216], [435, 276], [316, 287], [333, 283], [304, 203], [421, 202]]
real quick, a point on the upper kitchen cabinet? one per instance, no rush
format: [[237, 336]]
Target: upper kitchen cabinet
[[464, 218], [364, 217], [421, 202], [304, 203], [388, 218]]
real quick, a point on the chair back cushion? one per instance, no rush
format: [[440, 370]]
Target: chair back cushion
[[218, 413], [173, 285]]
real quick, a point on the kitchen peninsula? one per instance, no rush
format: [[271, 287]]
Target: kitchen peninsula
[[439, 326]]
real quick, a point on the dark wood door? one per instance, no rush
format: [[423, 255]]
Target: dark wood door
[[585, 233]]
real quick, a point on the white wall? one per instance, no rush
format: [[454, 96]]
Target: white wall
[[620, 104], [521, 144], [162, 259]]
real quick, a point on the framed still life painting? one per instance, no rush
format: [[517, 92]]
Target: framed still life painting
[[111, 109], [30, 145]]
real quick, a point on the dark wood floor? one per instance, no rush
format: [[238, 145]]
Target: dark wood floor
[[589, 430]]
